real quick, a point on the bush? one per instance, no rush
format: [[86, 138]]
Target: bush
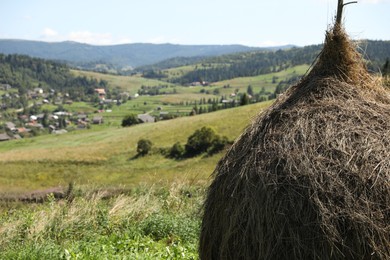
[[130, 120], [176, 151], [200, 141], [144, 146], [218, 144], [168, 226]]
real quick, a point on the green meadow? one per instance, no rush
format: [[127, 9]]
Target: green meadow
[[105, 155], [118, 205]]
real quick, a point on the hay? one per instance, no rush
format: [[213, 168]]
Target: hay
[[310, 178]]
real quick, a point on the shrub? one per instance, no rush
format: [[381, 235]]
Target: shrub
[[169, 226], [200, 141], [144, 146], [218, 144], [176, 151], [130, 120]]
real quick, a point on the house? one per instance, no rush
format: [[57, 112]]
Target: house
[[97, 120], [82, 117], [22, 130], [101, 92], [24, 118], [38, 91], [195, 84], [5, 87], [10, 126], [17, 137], [145, 118], [59, 132], [4, 137]]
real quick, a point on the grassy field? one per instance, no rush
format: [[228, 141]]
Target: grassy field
[[127, 83], [149, 222], [120, 206], [260, 81], [103, 155], [176, 103]]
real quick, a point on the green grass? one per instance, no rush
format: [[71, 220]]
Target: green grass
[[150, 222], [127, 83], [260, 81], [103, 154]]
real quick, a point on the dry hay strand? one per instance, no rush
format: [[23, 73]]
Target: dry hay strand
[[310, 178]]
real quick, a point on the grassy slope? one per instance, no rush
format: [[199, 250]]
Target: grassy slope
[[126, 83], [103, 155]]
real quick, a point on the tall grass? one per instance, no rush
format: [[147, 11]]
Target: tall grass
[[147, 222]]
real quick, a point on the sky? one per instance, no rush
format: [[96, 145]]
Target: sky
[[258, 23]]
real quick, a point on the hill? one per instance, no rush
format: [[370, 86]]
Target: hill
[[115, 56], [102, 155], [249, 64]]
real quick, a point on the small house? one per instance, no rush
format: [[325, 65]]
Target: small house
[[4, 137], [97, 120], [101, 92], [10, 126], [145, 118]]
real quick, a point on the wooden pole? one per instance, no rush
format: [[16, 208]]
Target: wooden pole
[[340, 7]]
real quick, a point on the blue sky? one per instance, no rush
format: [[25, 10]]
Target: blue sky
[[248, 22]]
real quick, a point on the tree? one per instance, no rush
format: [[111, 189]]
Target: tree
[[144, 146], [250, 90], [130, 120], [218, 144], [176, 151], [386, 68], [244, 100], [200, 141]]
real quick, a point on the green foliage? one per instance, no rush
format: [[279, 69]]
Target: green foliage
[[386, 68], [130, 120], [244, 100], [176, 151], [162, 226], [26, 73], [150, 223], [204, 140], [144, 146], [200, 141], [218, 144], [250, 91]]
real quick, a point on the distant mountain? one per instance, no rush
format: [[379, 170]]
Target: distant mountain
[[116, 56], [229, 66]]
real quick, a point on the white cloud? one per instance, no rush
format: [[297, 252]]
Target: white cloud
[[158, 40], [271, 43], [124, 41], [162, 39], [91, 38], [83, 36], [47, 32]]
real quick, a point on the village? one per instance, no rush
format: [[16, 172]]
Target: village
[[32, 120]]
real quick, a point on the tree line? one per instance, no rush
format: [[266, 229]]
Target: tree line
[[259, 62], [25, 73]]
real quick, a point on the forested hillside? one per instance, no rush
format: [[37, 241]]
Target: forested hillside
[[123, 56], [25, 73], [257, 63]]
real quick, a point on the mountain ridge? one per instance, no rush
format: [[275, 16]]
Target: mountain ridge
[[118, 56]]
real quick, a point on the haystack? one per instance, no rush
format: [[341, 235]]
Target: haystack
[[310, 177]]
